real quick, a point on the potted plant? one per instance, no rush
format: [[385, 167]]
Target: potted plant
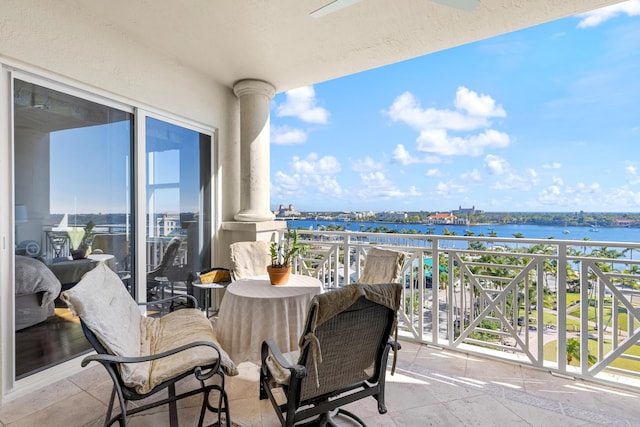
[[281, 255], [81, 241]]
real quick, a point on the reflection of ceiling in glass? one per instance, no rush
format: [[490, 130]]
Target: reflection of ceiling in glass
[[163, 136], [47, 110]]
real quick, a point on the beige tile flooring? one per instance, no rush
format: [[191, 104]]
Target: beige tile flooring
[[430, 388]]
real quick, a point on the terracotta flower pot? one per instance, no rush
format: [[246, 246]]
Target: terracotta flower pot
[[279, 275]]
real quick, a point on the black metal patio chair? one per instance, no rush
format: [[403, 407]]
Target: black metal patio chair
[[342, 357], [145, 355]]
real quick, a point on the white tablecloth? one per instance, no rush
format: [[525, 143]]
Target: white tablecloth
[[253, 310]]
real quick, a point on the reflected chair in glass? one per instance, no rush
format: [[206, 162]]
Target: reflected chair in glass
[[159, 278], [59, 241], [116, 244], [342, 356], [250, 259], [382, 266]]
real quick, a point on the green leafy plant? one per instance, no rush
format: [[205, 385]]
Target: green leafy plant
[[283, 252], [87, 238]]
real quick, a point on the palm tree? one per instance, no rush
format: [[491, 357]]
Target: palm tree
[[573, 351]]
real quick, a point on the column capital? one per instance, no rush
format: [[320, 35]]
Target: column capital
[[254, 87]]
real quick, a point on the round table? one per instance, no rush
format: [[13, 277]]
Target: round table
[[253, 310]]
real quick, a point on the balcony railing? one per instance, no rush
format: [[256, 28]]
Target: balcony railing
[[571, 307]]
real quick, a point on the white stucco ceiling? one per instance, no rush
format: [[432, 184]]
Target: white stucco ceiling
[[280, 42]]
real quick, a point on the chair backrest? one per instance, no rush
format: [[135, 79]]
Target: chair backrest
[[382, 266], [104, 305], [352, 326], [116, 244], [250, 258], [168, 258]]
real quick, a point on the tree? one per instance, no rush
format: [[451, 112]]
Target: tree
[[573, 351]]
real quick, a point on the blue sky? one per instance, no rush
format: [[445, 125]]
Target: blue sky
[[545, 119]]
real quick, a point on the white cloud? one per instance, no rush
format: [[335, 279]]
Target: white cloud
[[554, 165], [597, 17], [584, 196], [557, 180], [302, 103], [631, 174], [310, 175], [495, 164], [402, 155], [287, 184], [449, 189], [376, 185], [471, 118], [551, 196], [406, 109], [283, 135], [439, 142], [519, 182], [365, 165], [477, 105], [434, 172], [472, 176], [314, 165]]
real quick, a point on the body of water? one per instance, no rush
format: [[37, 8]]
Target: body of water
[[602, 234]]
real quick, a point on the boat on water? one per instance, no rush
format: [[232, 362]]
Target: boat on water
[[565, 230], [594, 227]]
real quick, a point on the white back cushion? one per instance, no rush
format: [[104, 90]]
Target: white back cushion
[[103, 303]]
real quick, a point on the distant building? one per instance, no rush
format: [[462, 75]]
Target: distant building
[[445, 219], [364, 215], [624, 223], [166, 224], [391, 216], [467, 211], [284, 212]]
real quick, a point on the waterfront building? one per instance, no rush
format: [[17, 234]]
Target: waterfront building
[[445, 219]]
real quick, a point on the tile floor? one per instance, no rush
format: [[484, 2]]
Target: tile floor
[[431, 388]]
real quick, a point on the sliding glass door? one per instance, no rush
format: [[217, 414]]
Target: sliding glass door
[[100, 182], [178, 199], [72, 162]]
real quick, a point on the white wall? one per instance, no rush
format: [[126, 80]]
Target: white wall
[[52, 40]]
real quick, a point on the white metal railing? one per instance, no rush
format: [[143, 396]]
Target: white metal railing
[[572, 307]]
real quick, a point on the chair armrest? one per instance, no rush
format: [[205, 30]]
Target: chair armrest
[[106, 359], [269, 347], [394, 344]]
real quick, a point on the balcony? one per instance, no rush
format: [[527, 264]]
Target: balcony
[[543, 303], [430, 387]]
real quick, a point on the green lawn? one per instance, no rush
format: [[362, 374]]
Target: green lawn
[[551, 352]]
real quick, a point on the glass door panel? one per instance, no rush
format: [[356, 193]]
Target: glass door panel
[[72, 191], [178, 190]]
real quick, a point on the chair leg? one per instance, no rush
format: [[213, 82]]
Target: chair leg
[[110, 408], [173, 407], [122, 418], [222, 406]]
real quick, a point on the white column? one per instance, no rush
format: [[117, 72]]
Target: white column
[[255, 98]]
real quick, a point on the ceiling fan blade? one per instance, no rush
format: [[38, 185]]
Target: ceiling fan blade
[[333, 7], [466, 5]]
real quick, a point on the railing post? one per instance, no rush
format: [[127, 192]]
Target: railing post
[[561, 307], [346, 263]]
